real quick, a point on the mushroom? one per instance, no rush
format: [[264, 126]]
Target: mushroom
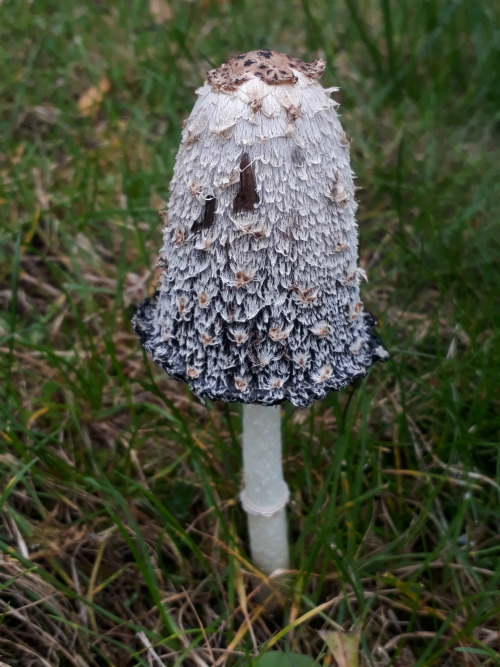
[[259, 299]]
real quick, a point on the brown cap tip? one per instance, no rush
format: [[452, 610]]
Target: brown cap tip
[[272, 67]]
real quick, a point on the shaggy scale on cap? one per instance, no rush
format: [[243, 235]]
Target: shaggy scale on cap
[[259, 298]]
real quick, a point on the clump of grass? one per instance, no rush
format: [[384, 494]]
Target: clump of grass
[[121, 539]]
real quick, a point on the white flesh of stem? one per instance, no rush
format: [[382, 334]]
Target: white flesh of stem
[[265, 494]]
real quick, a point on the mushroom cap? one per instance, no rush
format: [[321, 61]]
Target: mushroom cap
[[259, 301]]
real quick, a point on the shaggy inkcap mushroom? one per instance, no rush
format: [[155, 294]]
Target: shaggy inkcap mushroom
[[259, 297]]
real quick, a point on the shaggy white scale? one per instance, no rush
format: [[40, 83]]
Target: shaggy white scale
[[259, 298]]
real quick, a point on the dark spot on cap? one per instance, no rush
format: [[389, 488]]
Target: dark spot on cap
[[207, 219], [265, 54], [247, 197], [297, 156], [247, 63]]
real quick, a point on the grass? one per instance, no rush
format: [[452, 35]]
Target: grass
[[122, 542]]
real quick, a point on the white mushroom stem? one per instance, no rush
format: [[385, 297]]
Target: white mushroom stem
[[265, 493]]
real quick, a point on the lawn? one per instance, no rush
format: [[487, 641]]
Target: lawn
[[122, 541]]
